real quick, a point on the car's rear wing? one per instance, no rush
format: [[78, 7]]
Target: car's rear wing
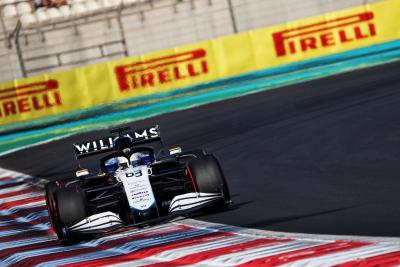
[[102, 145]]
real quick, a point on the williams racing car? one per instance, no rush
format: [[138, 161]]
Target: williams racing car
[[135, 184]]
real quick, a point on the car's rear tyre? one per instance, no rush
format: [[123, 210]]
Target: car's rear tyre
[[71, 209], [208, 177]]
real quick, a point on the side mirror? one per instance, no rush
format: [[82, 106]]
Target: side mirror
[[175, 150], [82, 172]]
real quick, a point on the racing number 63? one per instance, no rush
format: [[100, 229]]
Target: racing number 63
[[136, 173]]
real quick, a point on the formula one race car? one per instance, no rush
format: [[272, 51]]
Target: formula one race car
[[136, 185]]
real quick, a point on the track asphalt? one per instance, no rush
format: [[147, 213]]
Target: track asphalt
[[318, 157]]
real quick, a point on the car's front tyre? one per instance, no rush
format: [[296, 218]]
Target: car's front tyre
[[208, 177], [70, 209]]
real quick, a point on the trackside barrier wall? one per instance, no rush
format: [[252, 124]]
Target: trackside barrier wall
[[67, 92]]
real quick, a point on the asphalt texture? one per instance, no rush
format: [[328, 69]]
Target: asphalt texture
[[318, 157]]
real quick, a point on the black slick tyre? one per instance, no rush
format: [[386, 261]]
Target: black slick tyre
[[71, 209], [50, 189], [208, 176]]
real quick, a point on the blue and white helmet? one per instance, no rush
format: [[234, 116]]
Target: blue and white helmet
[[110, 166]]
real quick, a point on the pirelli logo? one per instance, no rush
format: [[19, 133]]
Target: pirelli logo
[[162, 70], [325, 34], [29, 98]]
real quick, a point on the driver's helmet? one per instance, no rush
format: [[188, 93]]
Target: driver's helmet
[[139, 158], [135, 159], [110, 166]]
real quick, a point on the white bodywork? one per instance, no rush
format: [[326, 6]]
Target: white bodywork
[[98, 221], [137, 186], [192, 200]]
